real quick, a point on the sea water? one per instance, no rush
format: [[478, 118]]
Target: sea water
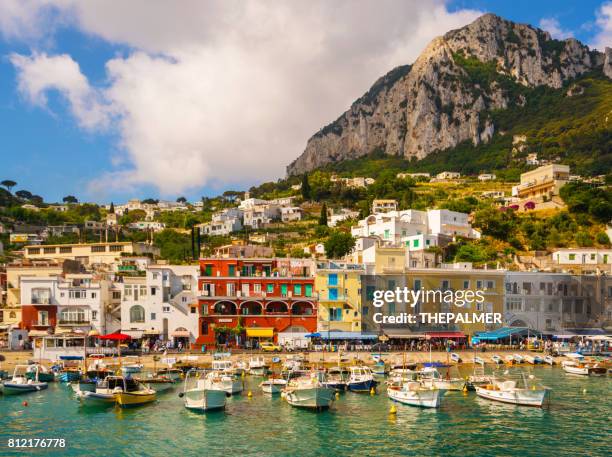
[[577, 422]]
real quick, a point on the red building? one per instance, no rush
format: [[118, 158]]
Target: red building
[[38, 317], [242, 299]]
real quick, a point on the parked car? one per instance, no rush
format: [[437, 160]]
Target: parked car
[[269, 346]]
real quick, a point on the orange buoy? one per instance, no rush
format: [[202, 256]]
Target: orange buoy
[[25, 403]]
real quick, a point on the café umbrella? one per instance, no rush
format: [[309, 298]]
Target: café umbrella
[[118, 337]]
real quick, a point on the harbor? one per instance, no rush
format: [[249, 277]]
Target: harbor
[[261, 423]]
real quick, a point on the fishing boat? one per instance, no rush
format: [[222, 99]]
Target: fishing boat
[[518, 358], [478, 361], [257, 366], [273, 385], [478, 378], [20, 383], [455, 357], [337, 378], [68, 369], [431, 377], [583, 368], [130, 365], [549, 359], [497, 360], [43, 373], [200, 394], [400, 372], [411, 392], [130, 392], [226, 366], [361, 379], [231, 385], [380, 368], [518, 390], [309, 392], [103, 395], [158, 383], [173, 373], [90, 379]]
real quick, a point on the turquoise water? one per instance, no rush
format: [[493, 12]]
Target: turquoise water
[[576, 423]]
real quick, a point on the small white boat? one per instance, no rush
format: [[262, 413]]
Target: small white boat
[[102, 396], [258, 366], [510, 359], [497, 360], [530, 359], [514, 391], [273, 385], [309, 392], [478, 361], [173, 373], [20, 383], [430, 377], [412, 392], [549, 359], [518, 358], [455, 357], [478, 378], [401, 372], [199, 393], [226, 367], [293, 362], [583, 368], [231, 385], [131, 365], [379, 368]]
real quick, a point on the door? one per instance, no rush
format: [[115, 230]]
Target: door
[[284, 290]]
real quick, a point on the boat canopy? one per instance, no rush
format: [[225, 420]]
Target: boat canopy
[[501, 333], [348, 336], [444, 335]]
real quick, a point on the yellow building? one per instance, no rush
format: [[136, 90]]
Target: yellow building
[[90, 253], [543, 182], [338, 287]]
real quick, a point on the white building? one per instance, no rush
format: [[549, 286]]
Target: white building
[[342, 215], [446, 175], [249, 203], [585, 258], [291, 213], [383, 206], [259, 215], [147, 225], [413, 175], [223, 222], [487, 177], [162, 305], [452, 223]]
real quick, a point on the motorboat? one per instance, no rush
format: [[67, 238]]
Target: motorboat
[[273, 385], [478, 361], [19, 383], [532, 360], [337, 378], [225, 366], [455, 357], [258, 366], [130, 392], [380, 368], [431, 377], [103, 395], [173, 373], [400, 372], [550, 360], [90, 379], [478, 378], [309, 392], [518, 358], [200, 394], [43, 373], [510, 360], [497, 360], [68, 369], [131, 365], [412, 392], [361, 379], [158, 383], [231, 385], [517, 391], [583, 368]]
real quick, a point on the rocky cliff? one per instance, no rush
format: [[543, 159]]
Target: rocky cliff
[[443, 98]]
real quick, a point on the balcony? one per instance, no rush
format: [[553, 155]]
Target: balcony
[[41, 301], [73, 322]]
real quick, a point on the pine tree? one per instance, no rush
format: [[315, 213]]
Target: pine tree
[[323, 217], [305, 187], [112, 208]]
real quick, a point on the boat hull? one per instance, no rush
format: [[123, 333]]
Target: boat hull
[[362, 386], [311, 398], [42, 377], [521, 397], [273, 387], [205, 399], [17, 389], [69, 376], [96, 399], [135, 398], [423, 398]]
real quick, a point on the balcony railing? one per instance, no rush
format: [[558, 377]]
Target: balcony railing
[[40, 301], [74, 322]]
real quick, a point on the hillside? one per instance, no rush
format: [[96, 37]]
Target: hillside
[[464, 93]]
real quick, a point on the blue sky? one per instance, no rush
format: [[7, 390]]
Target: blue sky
[[195, 109]]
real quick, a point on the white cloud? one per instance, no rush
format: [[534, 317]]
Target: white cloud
[[225, 92], [552, 25], [603, 22]]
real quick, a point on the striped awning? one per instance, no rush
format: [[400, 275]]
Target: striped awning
[[180, 334]]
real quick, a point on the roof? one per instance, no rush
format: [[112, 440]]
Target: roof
[[504, 332]]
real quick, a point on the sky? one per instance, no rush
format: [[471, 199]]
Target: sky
[[108, 100]]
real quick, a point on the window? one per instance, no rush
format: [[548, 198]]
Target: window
[[208, 270], [33, 251], [155, 275], [204, 310], [166, 309], [49, 250], [415, 243], [204, 328], [387, 234], [77, 294], [335, 314], [73, 316], [116, 248], [137, 314], [153, 316], [514, 304], [270, 288], [116, 295], [332, 279], [308, 290], [232, 270], [98, 249], [466, 284], [427, 242], [94, 315], [153, 290], [93, 295], [297, 289], [257, 288], [41, 296], [592, 256], [572, 256], [43, 318], [490, 284], [332, 293], [445, 284], [184, 299], [192, 310], [417, 284], [479, 285], [391, 308], [65, 250], [365, 310], [143, 291]]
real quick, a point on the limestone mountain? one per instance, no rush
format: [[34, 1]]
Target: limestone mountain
[[447, 96]]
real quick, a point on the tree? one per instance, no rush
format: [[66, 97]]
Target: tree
[[150, 201], [24, 194], [339, 244], [8, 184], [181, 200], [323, 216], [603, 238], [111, 210], [306, 194], [70, 199], [132, 216], [174, 246]]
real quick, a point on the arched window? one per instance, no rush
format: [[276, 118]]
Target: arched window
[[137, 314], [12, 315]]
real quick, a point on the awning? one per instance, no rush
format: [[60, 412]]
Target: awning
[[260, 332], [348, 336], [313, 335], [180, 334], [504, 332], [405, 334], [445, 334], [35, 333], [586, 331], [136, 334], [152, 332]]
